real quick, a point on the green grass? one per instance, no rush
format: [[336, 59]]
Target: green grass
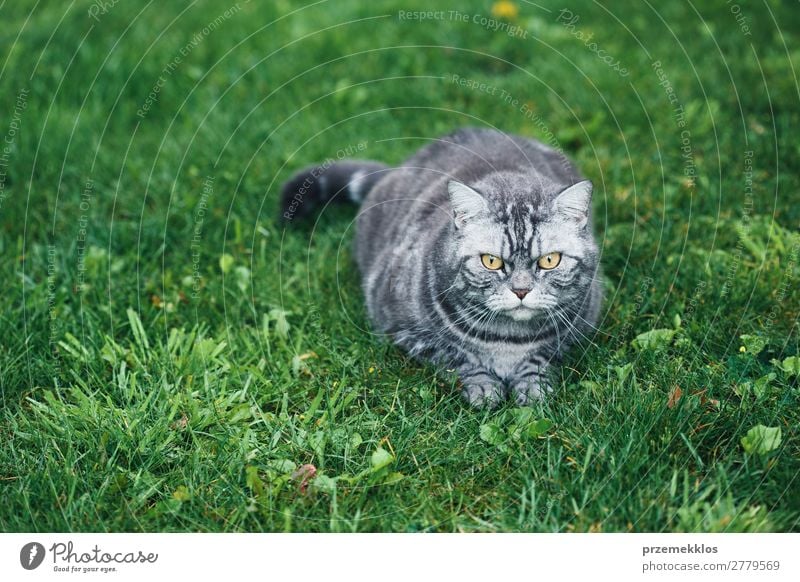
[[133, 401]]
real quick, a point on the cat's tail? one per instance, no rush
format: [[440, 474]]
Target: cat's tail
[[314, 186]]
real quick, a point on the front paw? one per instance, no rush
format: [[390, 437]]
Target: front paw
[[526, 391], [487, 394]]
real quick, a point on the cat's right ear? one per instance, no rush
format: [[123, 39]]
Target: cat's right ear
[[575, 202], [466, 203]]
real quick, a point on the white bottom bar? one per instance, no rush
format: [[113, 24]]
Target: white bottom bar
[[486, 557]]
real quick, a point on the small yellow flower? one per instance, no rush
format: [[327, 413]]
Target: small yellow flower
[[505, 9], [371, 369], [742, 349]]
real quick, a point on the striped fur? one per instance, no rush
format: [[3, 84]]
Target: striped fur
[[420, 233]]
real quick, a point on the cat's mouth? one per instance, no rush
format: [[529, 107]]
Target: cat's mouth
[[523, 312]]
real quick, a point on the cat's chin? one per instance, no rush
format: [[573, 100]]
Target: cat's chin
[[521, 313]]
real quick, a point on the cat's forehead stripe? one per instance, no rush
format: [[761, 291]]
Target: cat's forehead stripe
[[509, 241]]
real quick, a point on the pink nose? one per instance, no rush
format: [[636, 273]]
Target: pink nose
[[521, 293]]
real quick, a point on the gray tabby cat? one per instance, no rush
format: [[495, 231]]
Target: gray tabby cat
[[477, 254]]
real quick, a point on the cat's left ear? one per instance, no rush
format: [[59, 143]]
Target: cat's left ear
[[575, 202]]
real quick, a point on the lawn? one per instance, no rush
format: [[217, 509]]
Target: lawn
[[173, 359]]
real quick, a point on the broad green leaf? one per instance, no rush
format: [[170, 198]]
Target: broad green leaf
[[492, 434], [539, 427], [762, 439], [283, 466], [653, 339], [522, 416], [760, 386], [253, 481], [791, 366], [181, 493], [753, 344], [355, 441], [381, 458], [226, 263], [240, 412], [623, 372], [317, 441], [324, 483], [393, 477]]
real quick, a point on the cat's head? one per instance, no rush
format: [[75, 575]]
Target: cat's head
[[524, 251]]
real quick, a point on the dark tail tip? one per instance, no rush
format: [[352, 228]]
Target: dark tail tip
[[312, 187], [301, 194]]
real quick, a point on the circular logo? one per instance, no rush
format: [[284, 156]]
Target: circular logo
[[31, 555]]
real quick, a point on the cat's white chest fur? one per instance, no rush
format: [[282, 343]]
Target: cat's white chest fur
[[506, 357]]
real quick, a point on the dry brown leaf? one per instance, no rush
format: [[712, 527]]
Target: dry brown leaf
[[674, 396]]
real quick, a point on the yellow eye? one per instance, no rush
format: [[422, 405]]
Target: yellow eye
[[549, 261], [491, 262]]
